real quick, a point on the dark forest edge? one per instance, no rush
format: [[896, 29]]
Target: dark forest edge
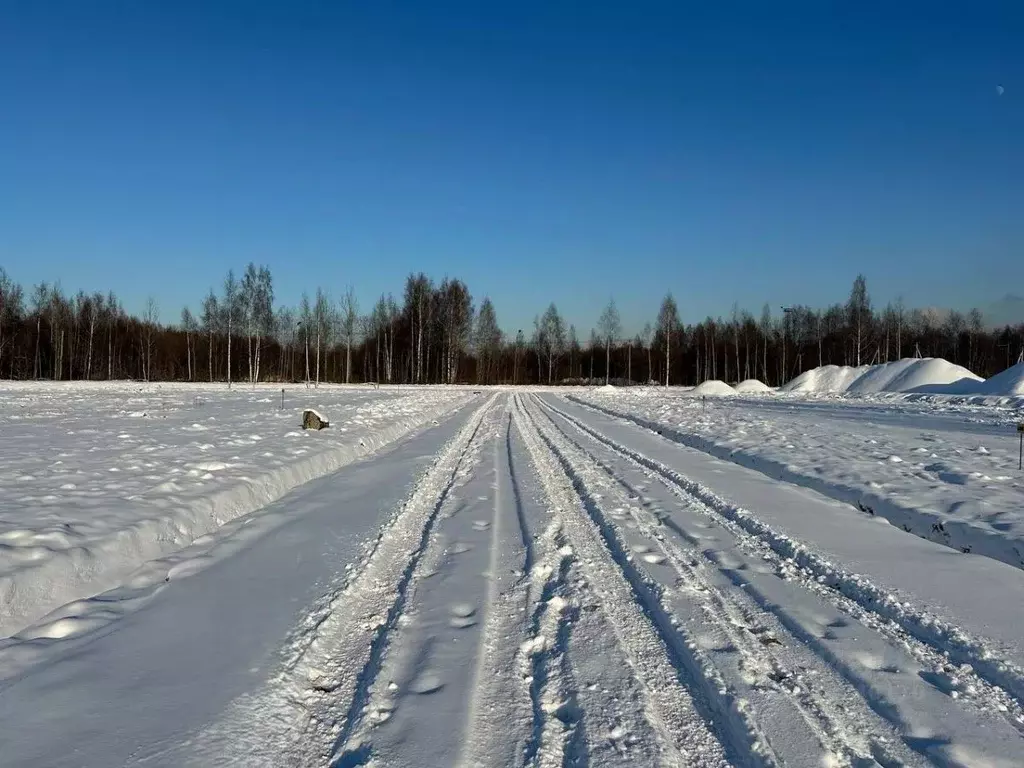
[[436, 335]]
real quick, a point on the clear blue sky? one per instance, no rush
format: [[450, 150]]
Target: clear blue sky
[[541, 151]]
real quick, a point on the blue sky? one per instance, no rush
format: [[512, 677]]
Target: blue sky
[[729, 152]]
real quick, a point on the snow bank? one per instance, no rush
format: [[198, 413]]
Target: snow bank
[[929, 375], [96, 481], [714, 387], [1008, 383], [752, 386]]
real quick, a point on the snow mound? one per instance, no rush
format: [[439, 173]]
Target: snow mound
[[607, 388], [714, 387], [827, 378], [930, 375], [751, 386], [1009, 382]]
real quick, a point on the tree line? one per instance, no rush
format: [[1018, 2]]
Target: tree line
[[435, 333]]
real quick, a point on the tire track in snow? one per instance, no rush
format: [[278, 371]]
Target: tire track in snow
[[964, 665], [527, 641], [944, 529], [519, 663], [344, 658], [425, 657], [496, 689], [668, 707], [551, 642], [542, 659], [735, 622]]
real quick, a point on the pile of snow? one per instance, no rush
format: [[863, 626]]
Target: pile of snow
[[1009, 382], [752, 386], [930, 375], [827, 378], [924, 375], [713, 387]]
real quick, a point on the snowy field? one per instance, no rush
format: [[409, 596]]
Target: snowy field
[[98, 479], [946, 471], [451, 577]]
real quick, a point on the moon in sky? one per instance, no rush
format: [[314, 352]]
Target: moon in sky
[[1000, 90]]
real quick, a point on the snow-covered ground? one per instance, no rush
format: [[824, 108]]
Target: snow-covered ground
[[98, 479], [944, 472], [512, 578]]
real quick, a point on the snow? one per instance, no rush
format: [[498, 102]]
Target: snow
[[752, 387], [911, 375], [1009, 382], [540, 577], [316, 413], [827, 378], [171, 659], [923, 470], [714, 388], [913, 601], [92, 489]]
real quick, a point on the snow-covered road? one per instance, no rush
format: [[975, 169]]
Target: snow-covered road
[[534, 581]]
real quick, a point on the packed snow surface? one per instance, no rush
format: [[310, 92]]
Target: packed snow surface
[[713, 387], [944, 472], [512, 577], [752, 387]]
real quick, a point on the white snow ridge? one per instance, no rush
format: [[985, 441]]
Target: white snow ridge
[[830, 575]]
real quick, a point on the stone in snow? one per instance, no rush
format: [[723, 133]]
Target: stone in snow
[[312, 419]]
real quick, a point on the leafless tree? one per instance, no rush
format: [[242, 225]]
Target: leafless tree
[[188, 325], [149, 320], [668, 322], [610, 327], [349, 317]]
